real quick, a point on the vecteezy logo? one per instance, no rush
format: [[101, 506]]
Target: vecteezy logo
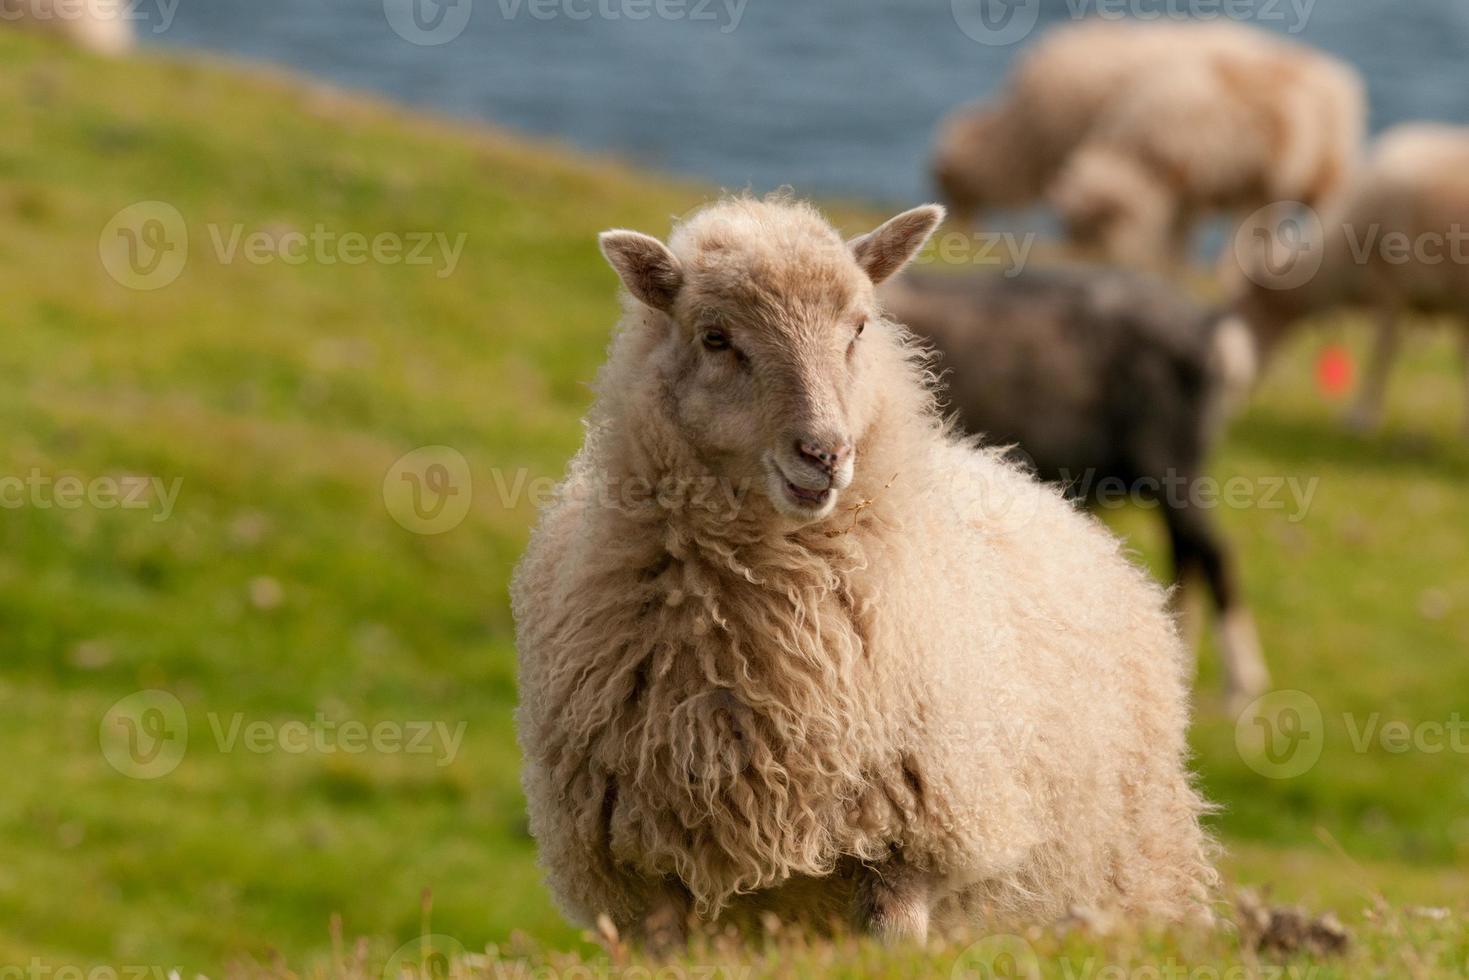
[[437, 484], [145, 734], [996, 23], [145, 246], [992, 498], [1281, 735], [428, 22], [1000, 957], [1281, 246], [429, 957], [428, 491]]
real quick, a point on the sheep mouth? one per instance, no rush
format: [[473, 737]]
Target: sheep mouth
[[814, 499], [795, 498]]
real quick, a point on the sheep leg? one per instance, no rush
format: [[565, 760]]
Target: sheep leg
[[664, 929], [1366, 415], [1189, 581], [893, 902], [1197, 545]]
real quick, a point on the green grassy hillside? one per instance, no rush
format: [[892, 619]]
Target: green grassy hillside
[[277, 598]]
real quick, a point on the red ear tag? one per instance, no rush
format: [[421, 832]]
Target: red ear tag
[[1334, 371]]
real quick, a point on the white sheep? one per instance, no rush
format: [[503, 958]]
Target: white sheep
[[1104, 378], [1135, 131], [1397, 242], [1005, 153], [1225, 134], [100, 26], [789, 644]]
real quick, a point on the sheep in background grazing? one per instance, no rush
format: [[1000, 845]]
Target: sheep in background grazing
[[861, 668], [1133, 130], [1104, 380], [1397, 243], [1005, 153], [1226, 134], [100, 26]]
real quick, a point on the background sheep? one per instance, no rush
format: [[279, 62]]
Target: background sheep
[[1103, 378], [892, 676], [97, 25], [1398, 243], [1226, 133], [1134, 130], [1005, 153]]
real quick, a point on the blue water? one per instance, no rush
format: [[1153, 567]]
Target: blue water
[[833, 97]]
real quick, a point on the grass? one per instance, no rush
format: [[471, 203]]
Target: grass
[[279, 589]]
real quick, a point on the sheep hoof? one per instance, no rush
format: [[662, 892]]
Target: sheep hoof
[[894, 905]]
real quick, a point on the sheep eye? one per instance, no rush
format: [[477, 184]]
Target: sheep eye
[[716, 340], [861, 327]]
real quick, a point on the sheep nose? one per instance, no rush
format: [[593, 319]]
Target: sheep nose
[[827, 456]]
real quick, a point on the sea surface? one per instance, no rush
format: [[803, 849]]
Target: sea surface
[[836, 98]]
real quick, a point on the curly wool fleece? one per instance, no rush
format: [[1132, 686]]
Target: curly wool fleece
[[959, 675]]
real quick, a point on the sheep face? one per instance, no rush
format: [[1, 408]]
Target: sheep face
[[970, 147], [985, 158], [757, 313]]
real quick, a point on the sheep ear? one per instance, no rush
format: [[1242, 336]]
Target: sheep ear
[[647, 268], [884, 251]]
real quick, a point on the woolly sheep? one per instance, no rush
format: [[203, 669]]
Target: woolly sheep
[[1105, 380], [787, 645], [1398, 242], [1135, 130], [1226, 134], [96, 25], [1005, 153]]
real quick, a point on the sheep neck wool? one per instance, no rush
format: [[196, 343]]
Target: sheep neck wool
[[740, 753]]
